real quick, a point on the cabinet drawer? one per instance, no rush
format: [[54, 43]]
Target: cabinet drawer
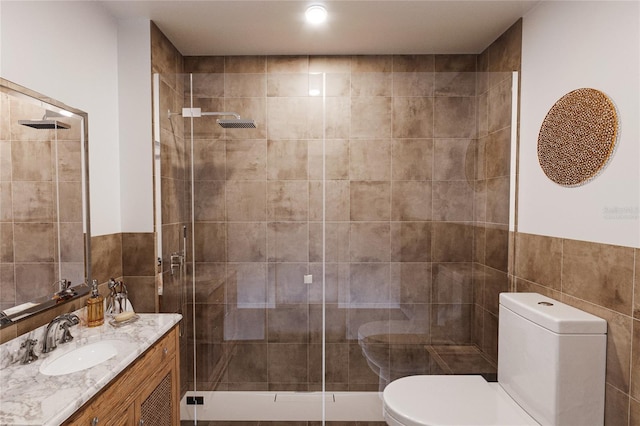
[[115, 416], [159, 353]]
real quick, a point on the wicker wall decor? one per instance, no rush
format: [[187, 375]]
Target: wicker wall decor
[[577, 137]]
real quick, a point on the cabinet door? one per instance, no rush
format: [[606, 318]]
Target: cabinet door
[[157, 403]]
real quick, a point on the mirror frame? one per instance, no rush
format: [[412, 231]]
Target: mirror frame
[[46, 302]]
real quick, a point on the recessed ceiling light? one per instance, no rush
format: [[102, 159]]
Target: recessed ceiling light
[[316, 14]]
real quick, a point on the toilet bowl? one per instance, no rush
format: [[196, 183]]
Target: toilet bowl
[[551, 371], [451, 400]]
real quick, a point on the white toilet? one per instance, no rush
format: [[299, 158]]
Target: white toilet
[[551, 371]]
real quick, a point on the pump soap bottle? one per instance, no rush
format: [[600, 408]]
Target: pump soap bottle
[[95, 307]]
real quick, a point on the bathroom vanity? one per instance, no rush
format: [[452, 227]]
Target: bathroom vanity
[[139, 384]]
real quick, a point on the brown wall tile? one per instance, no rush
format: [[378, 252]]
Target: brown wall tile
[[635, 361], [496, 247], [412, 159], [372, 180], [370, 200], [599, 273], [616, 410], [634, 412], [505, 53], [138, 254], [287, 160], [142, 291], [454, 159], [336, 159], [370, 160], [34, 242], [636, 285], [411, 241], [539, 259], [245, 200], [369, 242], [413, 84], [413, 63], [411, 200], [287, 200], [452, 201], [245, 64], [371, 118], [371, 63], [106, 257], [287, 242], [454, 117], [247, 242], [412, 117], [451, 242]]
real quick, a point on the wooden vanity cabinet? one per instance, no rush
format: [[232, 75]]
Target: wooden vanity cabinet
[[146, 393]]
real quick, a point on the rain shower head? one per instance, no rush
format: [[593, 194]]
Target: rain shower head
[[237, 123], [232, 123], [44, 124]]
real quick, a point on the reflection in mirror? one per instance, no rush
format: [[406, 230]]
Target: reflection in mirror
[[44, 221]]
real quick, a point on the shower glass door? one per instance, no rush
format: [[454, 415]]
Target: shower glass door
[[357, 235], [242, 239]]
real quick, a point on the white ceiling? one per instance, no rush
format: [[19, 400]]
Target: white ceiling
[[276, 27]]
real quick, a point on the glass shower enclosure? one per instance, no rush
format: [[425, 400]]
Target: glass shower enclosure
[[358, 234]]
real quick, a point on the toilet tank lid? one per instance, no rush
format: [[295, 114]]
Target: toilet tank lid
[[553, 315]]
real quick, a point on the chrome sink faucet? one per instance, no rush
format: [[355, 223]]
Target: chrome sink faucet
[[50, 340]]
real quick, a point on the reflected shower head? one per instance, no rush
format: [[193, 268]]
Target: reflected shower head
[[237, 123], [48, 121], [44, 124]]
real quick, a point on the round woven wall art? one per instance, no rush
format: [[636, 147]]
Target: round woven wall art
[[577, 137]]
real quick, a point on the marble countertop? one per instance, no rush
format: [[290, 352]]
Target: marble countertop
[[28, 397]]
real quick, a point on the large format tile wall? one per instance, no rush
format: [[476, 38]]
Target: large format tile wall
[[491, 219], [401, 154], [601, 279], [401, 215]]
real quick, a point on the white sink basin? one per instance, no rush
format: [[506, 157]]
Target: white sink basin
[[81, 358]]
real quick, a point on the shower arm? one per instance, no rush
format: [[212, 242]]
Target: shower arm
[[197, 112], [222, 113]]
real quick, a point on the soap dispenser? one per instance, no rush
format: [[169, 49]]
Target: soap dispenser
[[95, 307]]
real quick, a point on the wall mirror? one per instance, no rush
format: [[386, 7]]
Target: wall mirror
[[45, 246]]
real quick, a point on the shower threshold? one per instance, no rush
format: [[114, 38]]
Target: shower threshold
[[283, 406]]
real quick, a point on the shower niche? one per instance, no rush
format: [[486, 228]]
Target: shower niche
[[356, 235]]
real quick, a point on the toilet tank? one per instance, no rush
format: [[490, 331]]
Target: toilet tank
[[551, 359]]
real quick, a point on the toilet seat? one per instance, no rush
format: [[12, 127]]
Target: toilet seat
[[450, 400]]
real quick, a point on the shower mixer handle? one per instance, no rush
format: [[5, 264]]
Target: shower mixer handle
[[177, 260]]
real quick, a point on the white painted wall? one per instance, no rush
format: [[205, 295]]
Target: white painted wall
[[69, 50], [136, 154], [566, 46]]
